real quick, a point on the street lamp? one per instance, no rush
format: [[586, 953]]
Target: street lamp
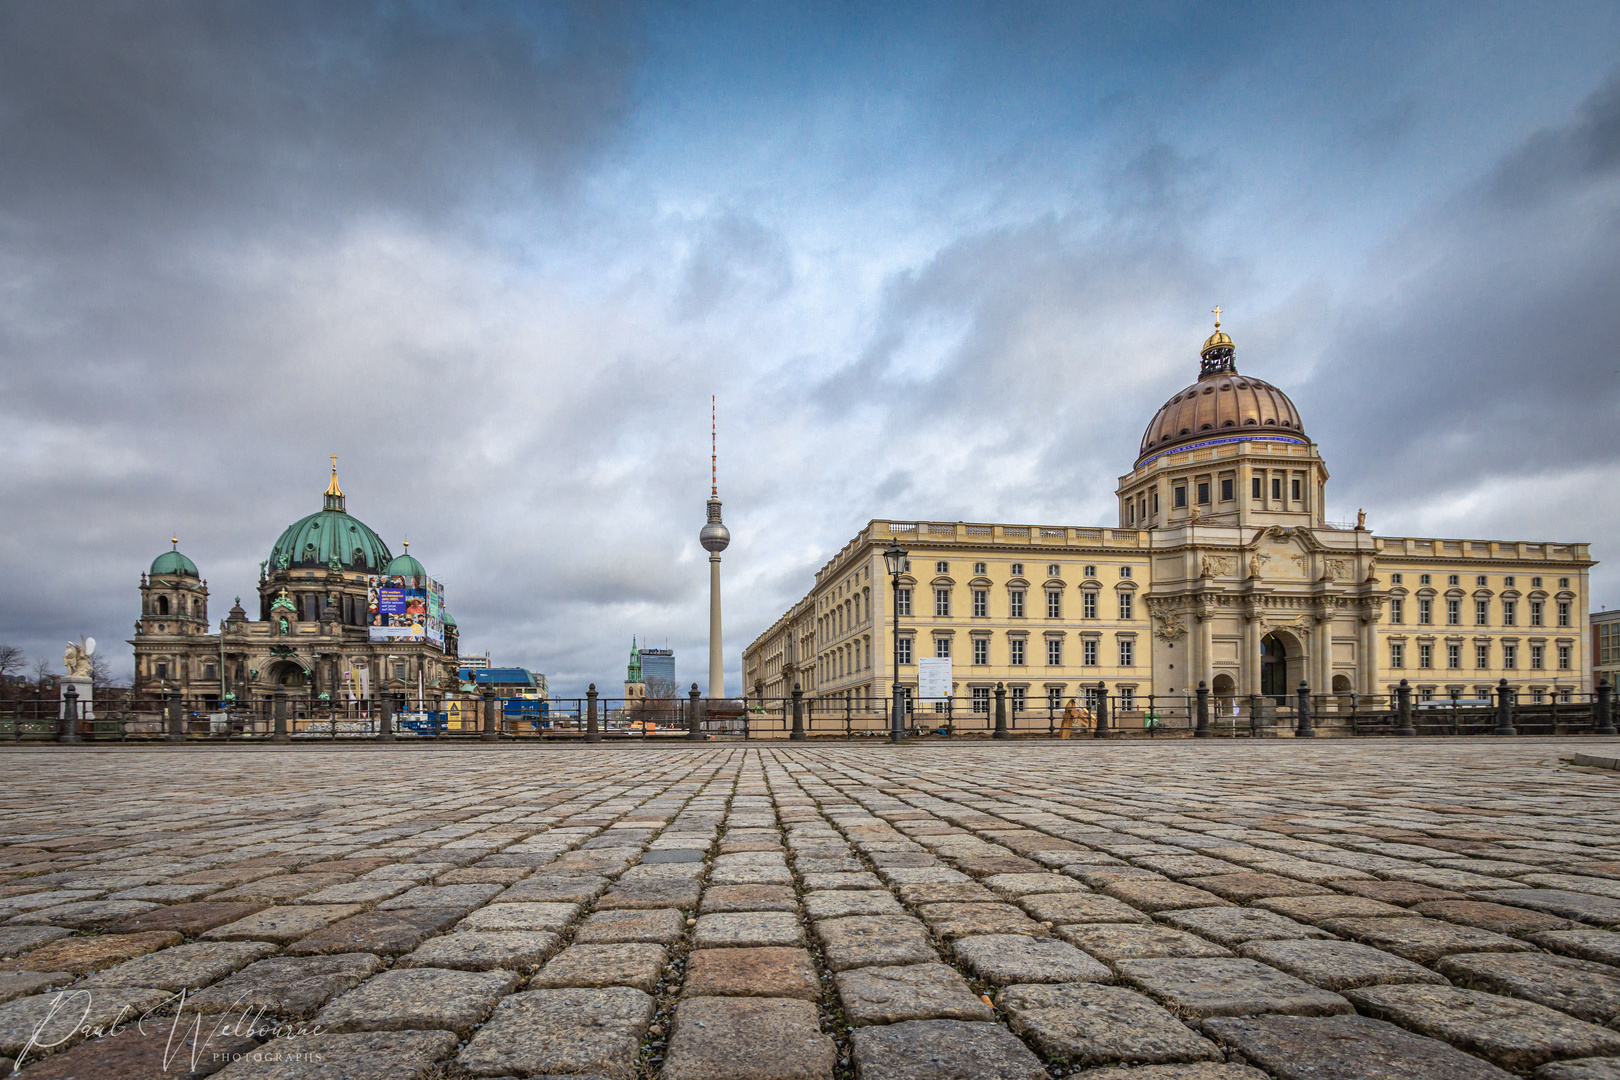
[[895, 560]]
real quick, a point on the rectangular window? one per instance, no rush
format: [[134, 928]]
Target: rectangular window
[[1015, 652], [163, 671], [1054, 603], [1127, 653], [981, 602], [399, 671], [981, 699], [902, 601], [942, 567], [981, 651], [1397, 654], [1481, 581], [1535, 613], [1130, 512], [1510, 612], [1453, 656], [1203, 493], [1294, 486], [1394, 579], [1563, 658], [905, 650], [1425, 612], [942, 603], [1127, 698], [1124, 571], [1396, 610], [1535, 583], [1155, 502], [1054, 699], [1507, 583], [1178, 497], [1254, 488], [1510, 656], [1563, 613], [1017, 569], [1091, 572], [1017, 695], [1425, 656], [1054, 570], [1423, 579], [942, 648], [1538, 655], [979, 568], [1482, 656], [1088, 653], [1015, 603], [1538, 696], [1482, 613], [208, 671], [1452, 580], [1453, 612], [1227, 493], [1054, 651], [1088, 605], [1125, 605], [1276, 489]]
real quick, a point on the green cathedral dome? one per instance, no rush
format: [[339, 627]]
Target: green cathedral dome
[[328, 535], [406, 565], [174, 563]]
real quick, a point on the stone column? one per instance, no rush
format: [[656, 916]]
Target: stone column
[[1251, 654], [1206, 645], [694, 716]]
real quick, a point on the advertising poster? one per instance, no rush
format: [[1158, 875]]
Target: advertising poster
[[405, 609]]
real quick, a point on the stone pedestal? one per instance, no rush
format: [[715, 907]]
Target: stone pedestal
[[82, 687]]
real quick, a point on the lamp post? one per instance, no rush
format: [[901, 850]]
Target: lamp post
[[894, 559]]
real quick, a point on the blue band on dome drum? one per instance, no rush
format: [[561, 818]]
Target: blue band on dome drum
[[1256, 437]]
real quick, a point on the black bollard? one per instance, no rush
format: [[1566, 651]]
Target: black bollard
[[694, 716], [592, 732], [1603, 722], [798, 733], [67, 728], [491, 732], [1304, 729], [280, 732], [1403, 709], [1504, 710], [384, 705], [1203, 731], [177, 718], [1001, 731]]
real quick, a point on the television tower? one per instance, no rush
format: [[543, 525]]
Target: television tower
[[715, 537]]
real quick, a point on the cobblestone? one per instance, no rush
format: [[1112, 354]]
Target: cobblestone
[[377, 888]]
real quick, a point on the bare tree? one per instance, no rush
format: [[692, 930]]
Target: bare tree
[[101, 676], [12, 661], [662, 689], [43, 675]]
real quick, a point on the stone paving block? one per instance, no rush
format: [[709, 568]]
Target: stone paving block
[[16, 984], [382, 932], [524, 916], [464, 897], [483, 950], [753, 874], [291, 987], [1136, 941], [1012, 886], [889, 995], [417, 999], [770, 971], [868, 940], [283, 887], [52, 898], [1344, 1048], [167, 893], [1517, 1035], [1060, 909], [183, 966], [1582, 907], [732, 1038], [83, 955], [1403, 893], [682, 893], [1337, 965], [720, 898], [188, 919], [549, 889], [1421, 940], [1244, 887], [636, 964], [62, 1018], [1203, 1070], [1581, 988], [1232, 926], [1602, 946], [982, 866], [282, 925], [1096, 875], [481, 874], [1497, 918], [863, 880], [1089, 1024], [569, 1031], [366, 893], [371, 1055], [1228, 987], [1003, 959], [656, 872], [966, 893], [661, 926], [942, 1050], [1317, 909], [1581, 1069], [148, 1052], [1182, 867], [747, 930], [1157, 894], [85, 914], [962, 920], [836, 903], [20, 939], [922, 875]]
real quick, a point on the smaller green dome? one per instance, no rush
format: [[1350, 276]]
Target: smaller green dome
[[405, 565], [174, 563], [449, 619]]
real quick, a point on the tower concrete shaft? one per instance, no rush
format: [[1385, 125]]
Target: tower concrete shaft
[[717, 660]]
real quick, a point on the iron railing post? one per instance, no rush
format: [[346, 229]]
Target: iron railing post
[[798, 733], [1603, 720], [593, 733], [1304, 729], [67, 729], [694, 725], [1403, 710], [1203, 731], [1504, 710]]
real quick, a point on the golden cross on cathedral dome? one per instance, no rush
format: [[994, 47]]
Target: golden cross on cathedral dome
[[1216, 309]]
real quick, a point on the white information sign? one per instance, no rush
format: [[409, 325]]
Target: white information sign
[[933, 677]]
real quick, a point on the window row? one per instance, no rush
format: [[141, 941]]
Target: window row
[[1017, 604], [943, 566], [1482, 656], [1481, 581], [1018, 651], [1018, 699], [1563, 612]]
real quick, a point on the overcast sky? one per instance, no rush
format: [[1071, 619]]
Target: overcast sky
[[935, 261]]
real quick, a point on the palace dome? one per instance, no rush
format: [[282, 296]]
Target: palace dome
[[1221, 402], [313, 542]]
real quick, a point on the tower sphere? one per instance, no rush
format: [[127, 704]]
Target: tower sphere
[[715, 536]]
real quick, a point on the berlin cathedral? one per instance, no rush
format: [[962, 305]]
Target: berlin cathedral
[[340, 617]]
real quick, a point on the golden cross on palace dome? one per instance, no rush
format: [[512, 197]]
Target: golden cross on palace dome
[[1216, 309]]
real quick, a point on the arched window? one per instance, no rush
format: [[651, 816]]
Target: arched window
[[163, 605]]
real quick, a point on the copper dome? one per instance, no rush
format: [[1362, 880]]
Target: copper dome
[[1221, 402]]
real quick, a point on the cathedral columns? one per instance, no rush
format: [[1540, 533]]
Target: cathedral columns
[[1251, 653]]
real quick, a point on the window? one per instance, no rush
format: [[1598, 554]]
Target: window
[[1054, 699], [1538, 655], [979, 568], [163, 670], [942, 603], [1535, 583], [1608, 643], [1425, 611], [1155, 502], [1088, 652], [981, 699], [1054, 651], [1564, 696], [1017, 694], [1054, 603], [399, 671], [1425, 656], [1452, 580], [904, 646], [1535, 613], [1015, 603], [1510, 655], [1017, 569], [902, 601], [942, 648], [1088, 605], [1394, 579], [1127, 698], [1124, 571], [1423, 579], [1453, 656], [942, 568], [1563, 658], [208, 671], [1563, 583], [1125, 605], [1203, 493], [1482, 656], [1091, 572], [1178, 496], [1254, 489], [1294, 489], [1481, 581], [1453, 612], [1226, 489], [1482, 612], [1563, 613], [1538, 696], [1395, 610], [981, 651], [1015, 652], [1054, 570], [1130, 512], [1127, 653], [1397, 654], [981, 603], [1509, 612]]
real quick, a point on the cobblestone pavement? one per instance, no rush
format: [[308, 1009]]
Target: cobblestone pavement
[[1199, 911]]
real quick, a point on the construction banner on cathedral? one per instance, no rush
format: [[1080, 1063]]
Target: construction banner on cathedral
[[405, 609]]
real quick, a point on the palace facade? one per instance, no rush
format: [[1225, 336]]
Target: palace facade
[[318, 621], [1223, 570]]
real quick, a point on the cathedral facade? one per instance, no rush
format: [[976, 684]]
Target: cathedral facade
[[1223, 570], [321, 632]]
